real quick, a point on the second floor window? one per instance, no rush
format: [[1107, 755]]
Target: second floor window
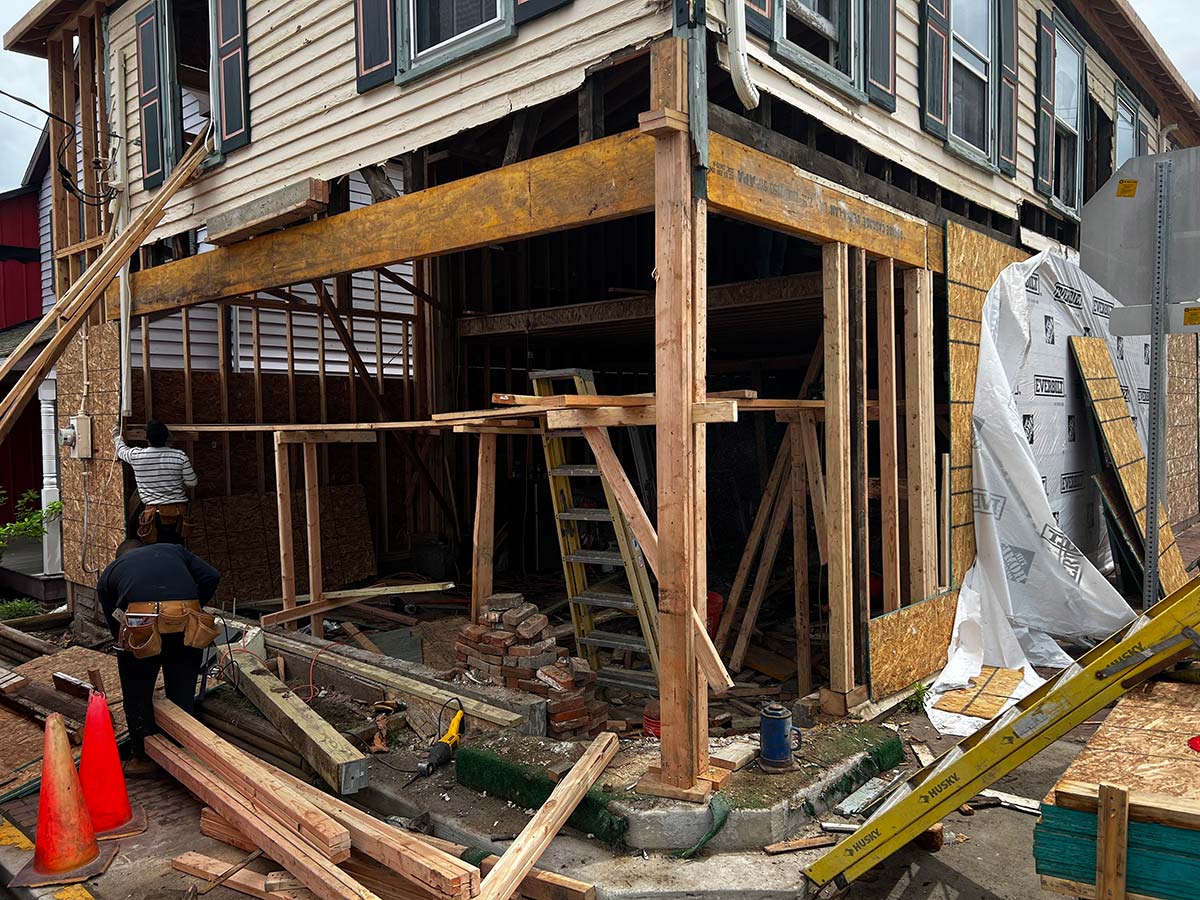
[[1068, 119], [971, 22], [822, 37]]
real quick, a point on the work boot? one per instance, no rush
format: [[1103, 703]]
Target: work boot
[[138, 767]]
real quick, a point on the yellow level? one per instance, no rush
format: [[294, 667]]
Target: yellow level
[[1141, 649]]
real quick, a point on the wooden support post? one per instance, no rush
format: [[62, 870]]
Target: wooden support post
[[889, 472], [1112, 842], [860, 520], [485, 522], [679, 333], [56, 56], [87, 123], [837, 482], [283, 505], [312, 510], [766, 564], [800, 562], [919, 433]]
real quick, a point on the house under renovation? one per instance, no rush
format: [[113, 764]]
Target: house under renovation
[[665, 315]]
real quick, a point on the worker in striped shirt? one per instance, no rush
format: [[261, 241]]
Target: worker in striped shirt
[[163, 475]]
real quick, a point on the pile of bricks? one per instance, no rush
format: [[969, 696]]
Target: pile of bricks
[[510, 643], [513, 645]]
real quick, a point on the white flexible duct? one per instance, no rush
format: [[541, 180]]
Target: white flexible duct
[[739, 61]]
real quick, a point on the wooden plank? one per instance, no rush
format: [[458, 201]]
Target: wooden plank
[[710, 411], [837, 457], [504, 879], [889, 471], [815, 477], [807, 843], [1112, 842], [321, 876], [340, 764], [248, 882], [1159, 809], [766, 565], [283, 505], [679, 324], [337, 599], [326, 436], [485, 525], [860, 523], [604, 179], [801, 620], [274, 209], [250, 778], [359, 638], [407, 854], [748, 184], [312, 514], [919, 433], [944, 524]]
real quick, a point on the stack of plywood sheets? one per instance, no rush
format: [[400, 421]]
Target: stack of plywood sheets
[[1124, 451], [1142, 747]]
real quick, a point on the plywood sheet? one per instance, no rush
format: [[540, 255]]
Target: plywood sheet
[[910, 643], [1124, 450], [989, 691]]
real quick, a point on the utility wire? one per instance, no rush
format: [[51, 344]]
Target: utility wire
[[56, 118], [19, 119]]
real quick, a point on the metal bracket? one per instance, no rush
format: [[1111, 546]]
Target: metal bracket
[[1187, 635]]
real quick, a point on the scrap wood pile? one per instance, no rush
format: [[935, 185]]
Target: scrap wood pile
[[331, 850]]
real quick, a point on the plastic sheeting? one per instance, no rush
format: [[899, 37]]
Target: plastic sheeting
[[1039, 526]]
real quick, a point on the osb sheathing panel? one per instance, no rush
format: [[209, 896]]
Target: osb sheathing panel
[[1142, 744], [1124, 450], [1183, 498], [910, 643]]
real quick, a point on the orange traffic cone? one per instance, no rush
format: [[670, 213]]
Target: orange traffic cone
[[103, 782], [66, 850]]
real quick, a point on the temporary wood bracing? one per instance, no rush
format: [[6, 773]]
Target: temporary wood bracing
[[623, 175]]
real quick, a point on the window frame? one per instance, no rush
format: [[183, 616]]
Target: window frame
[[1125, 101], [959, 144], [852, 32], [412, 64], [1063, 31]]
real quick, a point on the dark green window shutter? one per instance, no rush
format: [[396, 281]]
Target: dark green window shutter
[[881, 53], [1043, 179], [374, 42], [1007, 102], [1143, 138], [150, 96], [935, 65], [758, 18], [531, 9], [233, 87]]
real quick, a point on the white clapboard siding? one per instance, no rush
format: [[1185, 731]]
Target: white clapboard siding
[[302, 90], [898, 136], [46, 242]]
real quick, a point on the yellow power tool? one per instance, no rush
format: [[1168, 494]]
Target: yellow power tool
[[443, 749]]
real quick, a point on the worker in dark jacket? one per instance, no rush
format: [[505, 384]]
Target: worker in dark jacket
[[152, 596]]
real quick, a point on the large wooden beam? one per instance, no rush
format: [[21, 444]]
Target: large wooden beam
[[338, 763], [485, 525], [605, 179], [919, 434], [837, 468], [742, 295], [748, 184]]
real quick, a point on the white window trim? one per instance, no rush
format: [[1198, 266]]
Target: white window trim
[[418, 56], [1132, 107]]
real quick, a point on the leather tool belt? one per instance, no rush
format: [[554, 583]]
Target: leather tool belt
[[166, 514], [145, 624]]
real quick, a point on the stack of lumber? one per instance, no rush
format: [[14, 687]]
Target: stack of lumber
[[1140, 770], [337, 851], [18, 647], [511, 642]]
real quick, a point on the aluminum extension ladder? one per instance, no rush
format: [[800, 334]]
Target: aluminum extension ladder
[[628, 589], [1163, 635]]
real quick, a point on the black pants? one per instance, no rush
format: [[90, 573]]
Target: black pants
[[180, 666]]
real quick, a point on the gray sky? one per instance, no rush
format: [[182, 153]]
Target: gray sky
[[1174, 22]]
